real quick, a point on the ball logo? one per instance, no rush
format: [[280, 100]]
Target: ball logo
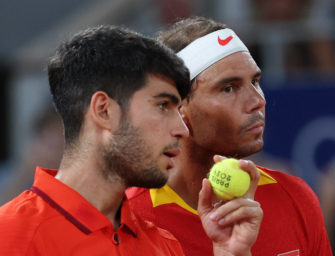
[[228, 180], [221, 178], [225, 41]]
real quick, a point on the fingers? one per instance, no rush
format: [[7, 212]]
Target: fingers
[[218, 158], [205, 198], [237, 210], [250, 168]]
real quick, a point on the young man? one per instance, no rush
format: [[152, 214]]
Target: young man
[[118, 94], [225, 114]]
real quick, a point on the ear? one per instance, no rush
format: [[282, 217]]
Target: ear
[[183, 112], [104, 111]]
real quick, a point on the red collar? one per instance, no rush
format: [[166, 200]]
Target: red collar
[[75, 207]]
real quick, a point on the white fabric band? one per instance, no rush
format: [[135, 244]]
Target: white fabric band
[[205, 51]]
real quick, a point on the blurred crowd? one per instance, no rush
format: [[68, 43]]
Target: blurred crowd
[[44, 149]]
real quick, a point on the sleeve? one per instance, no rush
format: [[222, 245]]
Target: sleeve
[[313, 217], [15, 236]]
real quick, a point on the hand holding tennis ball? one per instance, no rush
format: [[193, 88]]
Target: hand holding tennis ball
[[228, 180], [233, 226]]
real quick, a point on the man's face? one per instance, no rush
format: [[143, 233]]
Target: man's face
[[226, 110], [145, 145]]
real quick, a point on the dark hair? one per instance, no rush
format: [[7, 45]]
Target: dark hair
[[185, 31], [111, 59]]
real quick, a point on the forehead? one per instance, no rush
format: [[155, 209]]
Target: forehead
[[239, 64], [155, 86]]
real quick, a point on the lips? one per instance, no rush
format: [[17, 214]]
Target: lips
[[172, 152], [259, 125]]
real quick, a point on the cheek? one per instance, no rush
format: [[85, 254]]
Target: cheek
[[221, 124], [154, 131], [215, 115], [226, 126], [150, 131]]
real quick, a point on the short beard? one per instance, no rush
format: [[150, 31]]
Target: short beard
[[129, 157]]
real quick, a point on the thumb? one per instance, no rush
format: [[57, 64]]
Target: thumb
[[251, 168], [218, 158], [205, 198]]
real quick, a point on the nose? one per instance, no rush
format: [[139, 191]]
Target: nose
[[256, 99], [180, 129]]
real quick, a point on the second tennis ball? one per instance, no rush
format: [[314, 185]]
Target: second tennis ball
[[228, 180]]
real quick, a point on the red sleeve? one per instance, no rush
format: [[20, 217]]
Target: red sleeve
[[307, 203], [318, 237]]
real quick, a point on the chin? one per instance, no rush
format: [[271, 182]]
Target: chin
[[157, 183], [249, 150], [256, 148]]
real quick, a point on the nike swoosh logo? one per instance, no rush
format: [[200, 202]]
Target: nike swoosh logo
[[224, 42]]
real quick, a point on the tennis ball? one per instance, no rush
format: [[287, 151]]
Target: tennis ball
[[228, 180]]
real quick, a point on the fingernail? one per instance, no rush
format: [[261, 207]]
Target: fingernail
[[213, 216], [222, 221]]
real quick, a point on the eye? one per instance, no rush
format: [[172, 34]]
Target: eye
[[227, 89], [163, 105], [255, 82]]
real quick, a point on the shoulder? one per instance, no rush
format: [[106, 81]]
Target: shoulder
[[20, 218], [293, 189], [299, 201], [20, 207], [288, 182]]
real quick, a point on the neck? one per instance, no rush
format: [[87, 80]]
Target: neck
[[191, 167], [84, 176]]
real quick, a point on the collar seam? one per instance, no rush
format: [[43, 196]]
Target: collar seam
[[61, 210]]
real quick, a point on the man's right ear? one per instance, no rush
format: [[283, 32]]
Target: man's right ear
[[183, 113], [105, 111]]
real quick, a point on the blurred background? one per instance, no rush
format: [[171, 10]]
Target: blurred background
[[293, 41]]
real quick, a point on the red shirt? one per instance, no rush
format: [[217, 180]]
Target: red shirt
[[53, 219], [292, 224]]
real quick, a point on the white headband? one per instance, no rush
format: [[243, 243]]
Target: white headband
[[205, 51]]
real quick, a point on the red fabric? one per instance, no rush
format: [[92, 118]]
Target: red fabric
[[53, 219], [293, 221]]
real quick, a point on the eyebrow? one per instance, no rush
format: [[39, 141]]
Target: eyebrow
[[235, 78], [172, 97]]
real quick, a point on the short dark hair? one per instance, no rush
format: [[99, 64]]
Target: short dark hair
[[185, 31], [111, 59]]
